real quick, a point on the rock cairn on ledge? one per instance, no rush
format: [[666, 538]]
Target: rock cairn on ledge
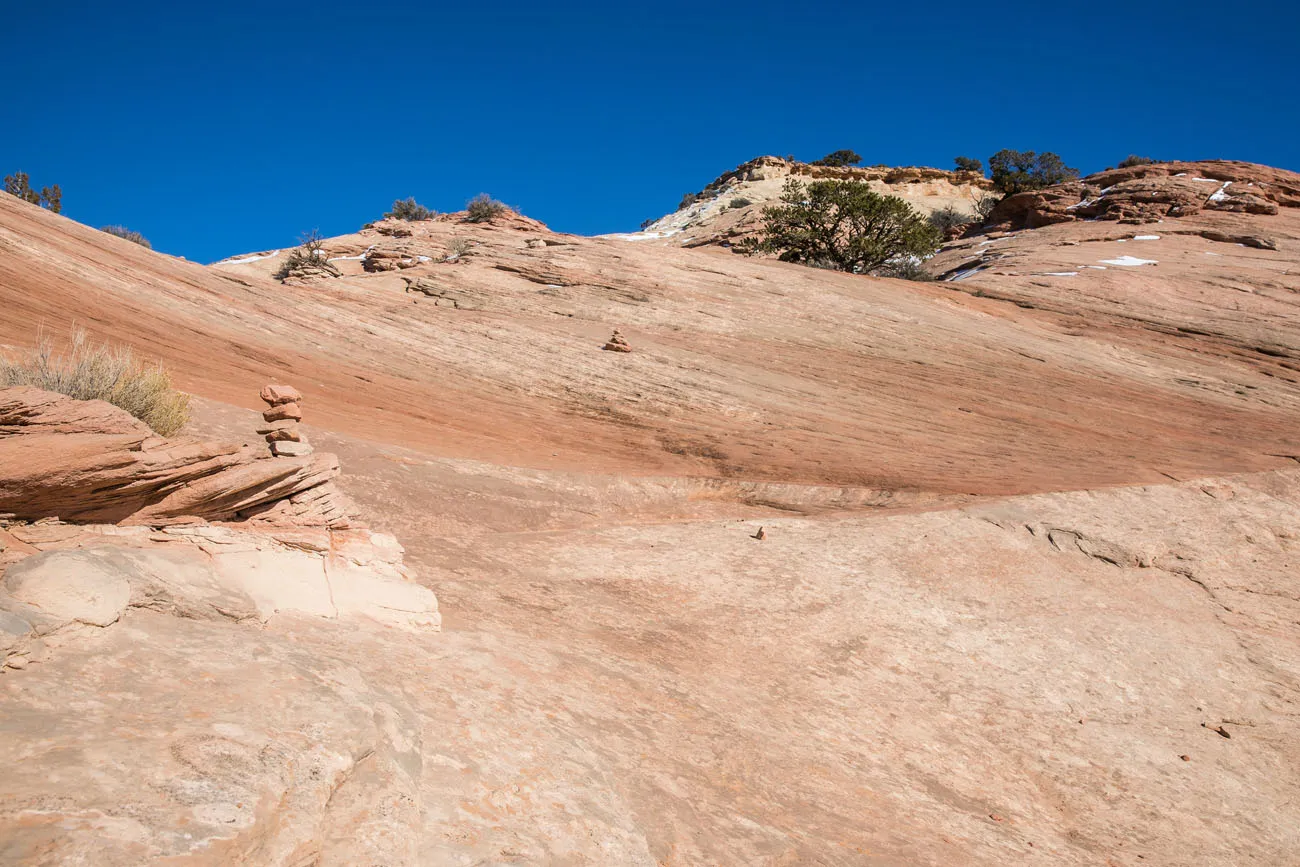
[[617, 343], [281, 428]]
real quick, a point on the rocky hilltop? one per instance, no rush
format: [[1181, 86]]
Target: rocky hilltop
[[808, 568], [729, 209]]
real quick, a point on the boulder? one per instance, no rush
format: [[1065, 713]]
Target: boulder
[[290, 448]]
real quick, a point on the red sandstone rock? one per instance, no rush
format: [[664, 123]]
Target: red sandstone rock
[[60, 457], [280, 394], [283, 411]]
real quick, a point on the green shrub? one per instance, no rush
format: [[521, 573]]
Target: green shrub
[[741, 202], [845, 226], [483, 208], [410, 210], [948, 218], [102, 372], [1135, 160], [128, 234], [20, 185], [838, 159], [968, 164], [1017, 171]]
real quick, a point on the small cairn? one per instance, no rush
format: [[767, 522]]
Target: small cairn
[[617, 343], [760, 535], [281, 428]]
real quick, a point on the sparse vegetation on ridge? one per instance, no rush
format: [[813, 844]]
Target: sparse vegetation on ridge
[[846, 226], [1018, 171], [307, 259], [410, 210], [20, 185], [102, 372], [483, 208], [127, 235], [968, 164], [839, 159], [1135, 160]]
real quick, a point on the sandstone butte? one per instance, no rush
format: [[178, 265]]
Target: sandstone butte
[[828, 569]]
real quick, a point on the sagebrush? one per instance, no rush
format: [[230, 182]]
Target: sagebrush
[[128, 235], [89, 371], [308, 259], [483, 208], [410, 210]]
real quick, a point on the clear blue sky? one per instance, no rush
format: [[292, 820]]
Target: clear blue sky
[[220, 128]]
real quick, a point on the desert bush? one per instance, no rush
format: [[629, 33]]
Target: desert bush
[[948, 218], [410, 210], [687, 200], [839, 159], [1135, 160], [307, 259], [20, 185], [483, 208], [906, 268], [128, 234], [1017, 171], [102, 372], [968, 164], [741, 202], [844, 225], [985, 206]]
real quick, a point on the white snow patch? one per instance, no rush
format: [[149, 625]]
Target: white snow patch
[[360, 258], [424, 258], [1146, 237], [1181, 175], [1096, 267], [1128, 261], [1208, 253], [1061, 274], [1206, 180], [643, 236], [1219, 195], [247, 259]]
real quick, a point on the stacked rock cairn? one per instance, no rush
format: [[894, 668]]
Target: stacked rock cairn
[[281, 428], [617, 343]]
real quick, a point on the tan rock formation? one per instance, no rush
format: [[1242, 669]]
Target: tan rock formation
[[282, 433]]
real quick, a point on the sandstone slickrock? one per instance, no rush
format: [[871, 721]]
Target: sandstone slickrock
[[63, 458]]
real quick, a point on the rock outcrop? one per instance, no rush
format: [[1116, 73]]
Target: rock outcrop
[[90, 461], [1153, 192]]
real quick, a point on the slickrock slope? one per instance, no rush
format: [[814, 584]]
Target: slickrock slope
[[909, 668], [743, 369], [729, 208]]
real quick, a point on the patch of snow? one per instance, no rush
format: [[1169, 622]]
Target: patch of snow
[[424, 258], [1061, 274], [360, 258], [1181, 175], [1205, 180], [1208, 253], [1146, 237], [643, 236], [247, 259], [1080, 204], [1219, 195], [1128, 261], [1096, 267]]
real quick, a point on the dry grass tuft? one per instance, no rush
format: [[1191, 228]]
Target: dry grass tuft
[[102, 372]]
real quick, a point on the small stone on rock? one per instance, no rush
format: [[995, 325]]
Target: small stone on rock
[[278, 394], [283, 411]]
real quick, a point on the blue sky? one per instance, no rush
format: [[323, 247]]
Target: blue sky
[[221, 128]]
